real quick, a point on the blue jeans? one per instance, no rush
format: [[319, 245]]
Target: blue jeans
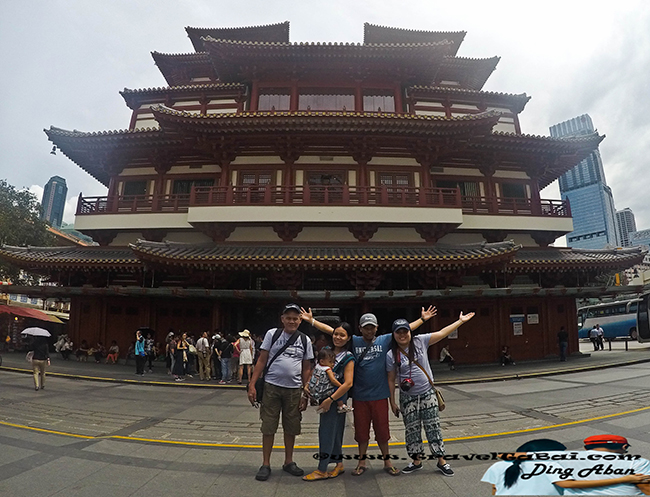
[[563, 347], [225, 369]]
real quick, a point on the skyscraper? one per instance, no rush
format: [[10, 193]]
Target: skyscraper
[[626, 225], [591, 200], [53, 202]]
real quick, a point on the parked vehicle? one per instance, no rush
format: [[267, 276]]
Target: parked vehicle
[[617, 319]]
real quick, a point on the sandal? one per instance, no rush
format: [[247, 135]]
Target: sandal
[[359, 470], [336, 472], [391, 470], [316, 475]]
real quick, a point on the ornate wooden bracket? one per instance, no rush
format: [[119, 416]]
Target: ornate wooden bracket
[[103, 237], [365, 280], [431, 233], [289, 149], [494, 236], [154, 235], [287, 231], [363, 231], [285, 279], [545, 238], [363, 149], [219, 232]]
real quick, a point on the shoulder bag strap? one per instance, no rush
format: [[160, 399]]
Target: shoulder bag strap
[[289, 343], [420, 366]]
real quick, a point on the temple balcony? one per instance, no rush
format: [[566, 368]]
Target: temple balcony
[[320, 204]]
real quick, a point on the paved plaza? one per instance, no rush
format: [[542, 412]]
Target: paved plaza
[[114, 438]]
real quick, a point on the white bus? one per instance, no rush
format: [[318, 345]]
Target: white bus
[[617, 319]]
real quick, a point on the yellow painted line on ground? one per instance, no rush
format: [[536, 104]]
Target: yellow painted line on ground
[[304, 447]]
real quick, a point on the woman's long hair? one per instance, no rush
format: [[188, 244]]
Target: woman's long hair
[[542, 445]]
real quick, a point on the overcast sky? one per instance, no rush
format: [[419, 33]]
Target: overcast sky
[[64, 63]]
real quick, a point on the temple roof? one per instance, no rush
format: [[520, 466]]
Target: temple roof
[[102, 154], [269, 33], [470, 73], [547, 158], [565, 258], [70, 257], [245, 61], [329, 122], [179, 69], [135, 98], [373, 34], [505, 255], [211, 255], [515, 102]]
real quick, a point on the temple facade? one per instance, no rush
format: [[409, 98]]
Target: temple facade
[[350, 178]]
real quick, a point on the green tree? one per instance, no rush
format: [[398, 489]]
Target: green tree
[[20, 226]]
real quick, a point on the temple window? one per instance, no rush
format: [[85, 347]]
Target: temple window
[[467, 188], [138, 187], [323, 99], [255, 178], [184, 186], [513, 190], [274, 99], [378, 101], [397, 180], [325, 179]]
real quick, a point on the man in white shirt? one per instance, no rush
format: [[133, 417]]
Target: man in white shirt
[[203, 349]]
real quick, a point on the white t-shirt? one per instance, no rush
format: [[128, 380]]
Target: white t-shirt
[[411, 370], [539, 484], [600, 465], [286, 370]]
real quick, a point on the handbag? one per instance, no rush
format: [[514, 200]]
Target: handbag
[[30, 356], [439, 397], [259, 384], [192, 349]]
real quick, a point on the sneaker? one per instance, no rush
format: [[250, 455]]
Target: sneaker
[[293, 469], [412, 468], [344, 408], [222, 382], [445, 469], [263, 473]]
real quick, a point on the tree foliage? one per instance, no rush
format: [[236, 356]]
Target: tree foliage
[[20, 225]]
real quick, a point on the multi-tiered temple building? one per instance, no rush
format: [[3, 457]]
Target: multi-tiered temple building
[[346, 177]]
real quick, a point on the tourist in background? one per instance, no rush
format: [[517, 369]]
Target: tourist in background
[[113, 353], [203, 349], [563, 343], [447, 358], [139, 353], [149, 351], [246, 348], [40, 357], [226, 356]]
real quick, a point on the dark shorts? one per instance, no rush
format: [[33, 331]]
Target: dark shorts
[[367, 411], [279, 399]]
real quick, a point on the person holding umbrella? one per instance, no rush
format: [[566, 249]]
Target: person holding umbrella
[[40, 354]]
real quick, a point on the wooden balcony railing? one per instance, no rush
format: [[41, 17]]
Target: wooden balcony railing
[[339, 195]]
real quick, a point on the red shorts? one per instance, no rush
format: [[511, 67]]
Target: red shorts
[[375, 411]]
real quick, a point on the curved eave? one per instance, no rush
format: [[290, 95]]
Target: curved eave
[[81, 258], [567, 259], [176, 67], [232, 256], [90, 150], [515, 102], [134, 98], [375, 34], [267, 33], [471, 73], [326, 122], [554, 155]]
